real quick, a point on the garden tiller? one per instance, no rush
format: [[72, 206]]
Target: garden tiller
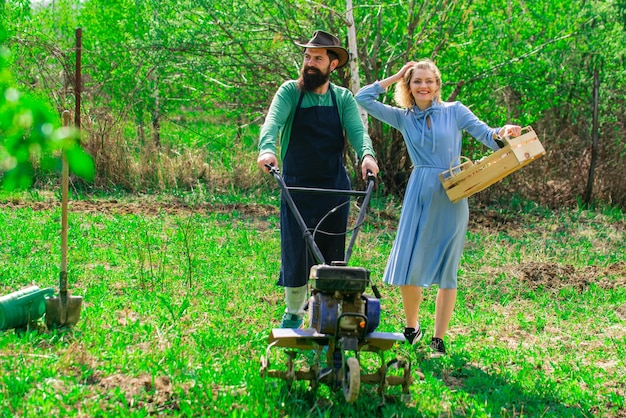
[[342, 318]]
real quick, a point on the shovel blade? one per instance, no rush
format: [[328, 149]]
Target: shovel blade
[[63, 311]]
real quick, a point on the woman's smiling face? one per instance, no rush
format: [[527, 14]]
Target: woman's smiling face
[[424, 87]]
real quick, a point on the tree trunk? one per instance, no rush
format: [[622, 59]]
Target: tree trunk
[[355, 84], [354, 76], [594, 143]]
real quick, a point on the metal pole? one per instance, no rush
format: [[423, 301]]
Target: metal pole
[[77, 81]]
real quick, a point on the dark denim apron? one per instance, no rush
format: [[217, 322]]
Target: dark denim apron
[[314, 158]]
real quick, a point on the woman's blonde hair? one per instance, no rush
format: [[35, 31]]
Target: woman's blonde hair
[[403, 95]]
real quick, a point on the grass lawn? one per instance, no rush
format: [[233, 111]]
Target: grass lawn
[[179, 298]]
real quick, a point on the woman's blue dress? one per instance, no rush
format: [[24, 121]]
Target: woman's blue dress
[[431, 232]]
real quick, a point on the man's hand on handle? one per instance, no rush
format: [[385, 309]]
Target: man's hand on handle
[[369, 164], [267, 159]]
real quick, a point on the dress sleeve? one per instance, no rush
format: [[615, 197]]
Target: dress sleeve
[[355, 131], [367, 98], [478, 129]]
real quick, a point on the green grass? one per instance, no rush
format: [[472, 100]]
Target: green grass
[[179, 298]]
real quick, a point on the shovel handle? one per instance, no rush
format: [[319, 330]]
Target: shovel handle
[[64, 204]]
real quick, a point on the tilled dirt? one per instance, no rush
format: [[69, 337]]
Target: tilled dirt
[[145, 207], [553, 276]]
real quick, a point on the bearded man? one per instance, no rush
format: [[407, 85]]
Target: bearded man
[[310, 119]]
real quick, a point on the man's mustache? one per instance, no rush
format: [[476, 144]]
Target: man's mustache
[[317, 70]]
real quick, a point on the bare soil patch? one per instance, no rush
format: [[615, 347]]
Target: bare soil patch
[[144, 206], [155, 393], [553, 276]]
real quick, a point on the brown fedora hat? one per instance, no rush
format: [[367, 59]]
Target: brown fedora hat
[[323, 39]]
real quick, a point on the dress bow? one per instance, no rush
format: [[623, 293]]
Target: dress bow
[[420, 115]]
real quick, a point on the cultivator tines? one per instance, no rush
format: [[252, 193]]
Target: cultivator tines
[[320, 359]]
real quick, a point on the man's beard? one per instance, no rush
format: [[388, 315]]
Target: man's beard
[[311, 80]]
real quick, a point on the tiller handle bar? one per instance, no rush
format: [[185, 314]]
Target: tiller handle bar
[[337, 192]]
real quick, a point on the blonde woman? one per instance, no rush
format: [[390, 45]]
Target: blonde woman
[[431, 232]]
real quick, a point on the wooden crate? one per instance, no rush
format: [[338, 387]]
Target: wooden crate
[[468, 177]]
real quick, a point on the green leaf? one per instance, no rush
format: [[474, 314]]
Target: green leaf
[[18, 178], [80, 163]]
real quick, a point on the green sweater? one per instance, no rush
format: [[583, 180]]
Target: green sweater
[[277, 126]]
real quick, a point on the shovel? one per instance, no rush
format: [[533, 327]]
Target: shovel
[[63, 310]]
